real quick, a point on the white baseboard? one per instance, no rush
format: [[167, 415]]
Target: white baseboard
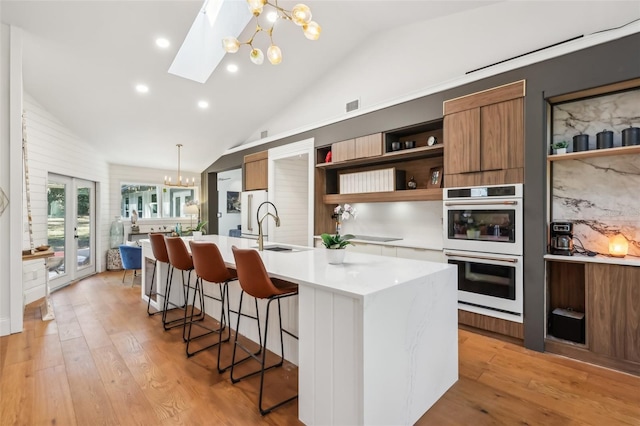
[[5, 326], [33, 294]]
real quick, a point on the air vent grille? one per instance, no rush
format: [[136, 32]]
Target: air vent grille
[[353, 105], [264, 134]]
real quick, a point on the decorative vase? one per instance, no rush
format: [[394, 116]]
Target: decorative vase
[[116, 233], [335, 256]]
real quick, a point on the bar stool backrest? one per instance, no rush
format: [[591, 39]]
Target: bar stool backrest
[[208, 262], [159, 248], [252, 274], [179, 256]]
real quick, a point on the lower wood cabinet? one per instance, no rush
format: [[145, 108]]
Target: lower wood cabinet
[[609, 297], [613, 306]]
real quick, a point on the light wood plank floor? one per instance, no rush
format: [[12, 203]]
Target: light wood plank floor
[[104, 361]]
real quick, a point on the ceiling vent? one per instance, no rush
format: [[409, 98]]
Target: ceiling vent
[[353, 105], [264, 134]]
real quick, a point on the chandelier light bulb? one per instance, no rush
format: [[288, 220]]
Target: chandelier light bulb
[[312, 30], [257, 57], [230, 44], [301, 14], [255, 6], [274, 54], [272, 17]]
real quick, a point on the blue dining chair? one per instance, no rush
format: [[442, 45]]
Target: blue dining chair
[[131, 260]]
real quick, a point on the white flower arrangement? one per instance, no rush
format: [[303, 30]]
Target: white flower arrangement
[[344, 212]]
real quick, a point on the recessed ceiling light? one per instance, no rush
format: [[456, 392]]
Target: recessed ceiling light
[[203, 104], [162, 42], [142, 88], [232, 68]]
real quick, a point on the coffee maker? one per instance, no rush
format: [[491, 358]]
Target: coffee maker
[[561, 238]]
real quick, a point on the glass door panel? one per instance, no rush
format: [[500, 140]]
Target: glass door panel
[[57, 225], [70, 229], [84, 227]]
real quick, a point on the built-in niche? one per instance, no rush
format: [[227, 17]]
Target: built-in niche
[[598, 194]]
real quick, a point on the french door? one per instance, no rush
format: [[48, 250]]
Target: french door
[[70, 229]]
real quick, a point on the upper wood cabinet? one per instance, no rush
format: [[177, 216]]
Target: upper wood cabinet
[[361, 147], [485, 137], [256, 171]]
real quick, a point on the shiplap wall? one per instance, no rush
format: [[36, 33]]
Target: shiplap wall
[[52, 148], [292, 183]]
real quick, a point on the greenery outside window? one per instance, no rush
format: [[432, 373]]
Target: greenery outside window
[[154, 201]]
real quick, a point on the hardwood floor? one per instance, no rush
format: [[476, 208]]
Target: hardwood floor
[[104, 361]]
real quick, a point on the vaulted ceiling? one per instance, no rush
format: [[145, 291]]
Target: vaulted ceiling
[[83, 59]]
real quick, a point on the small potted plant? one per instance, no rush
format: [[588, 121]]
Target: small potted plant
[[336, 245], [560, 147], [198, 230]]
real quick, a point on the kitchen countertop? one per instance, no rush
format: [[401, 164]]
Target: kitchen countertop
[[579, 258], [393, 242]]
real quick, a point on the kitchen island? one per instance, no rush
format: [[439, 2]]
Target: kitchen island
[[377, 335]]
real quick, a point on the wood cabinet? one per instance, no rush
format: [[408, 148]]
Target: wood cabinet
[[256, 171], [361, 147], [373, 152], [485, 137], [613, 306], [609, 297]]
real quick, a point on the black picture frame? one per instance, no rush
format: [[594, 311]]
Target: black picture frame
[[233, 202]]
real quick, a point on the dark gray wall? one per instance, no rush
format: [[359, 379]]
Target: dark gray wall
[[604, 64]]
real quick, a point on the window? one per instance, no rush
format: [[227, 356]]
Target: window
[[154, 201]]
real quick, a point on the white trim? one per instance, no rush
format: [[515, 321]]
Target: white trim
[[16, 179], [587, 41], [302, 147]]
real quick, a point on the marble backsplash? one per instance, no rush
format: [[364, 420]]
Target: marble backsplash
[[591, 116], [601, 196]]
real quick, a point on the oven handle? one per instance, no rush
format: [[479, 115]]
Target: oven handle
[[481, 203], [471, 256]]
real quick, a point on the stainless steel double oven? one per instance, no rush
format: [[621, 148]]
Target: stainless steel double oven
[[483, 238]]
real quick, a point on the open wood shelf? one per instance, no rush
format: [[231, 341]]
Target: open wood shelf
[[404, 154], [621, 150], [434, 194]]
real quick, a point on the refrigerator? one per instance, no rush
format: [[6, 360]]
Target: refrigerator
[[249, 203]]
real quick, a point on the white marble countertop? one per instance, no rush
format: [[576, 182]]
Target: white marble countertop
[[580, 258], [360, 275]]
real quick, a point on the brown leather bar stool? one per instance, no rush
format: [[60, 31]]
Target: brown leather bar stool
[[210, 267], [255, 281], [159, 250], [180, 259]]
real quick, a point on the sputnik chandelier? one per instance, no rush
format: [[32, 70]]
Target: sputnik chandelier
[[167, 179], [299, 15]]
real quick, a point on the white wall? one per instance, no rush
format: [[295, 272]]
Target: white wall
[[52, 148], [231, 180], [405, 63]]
